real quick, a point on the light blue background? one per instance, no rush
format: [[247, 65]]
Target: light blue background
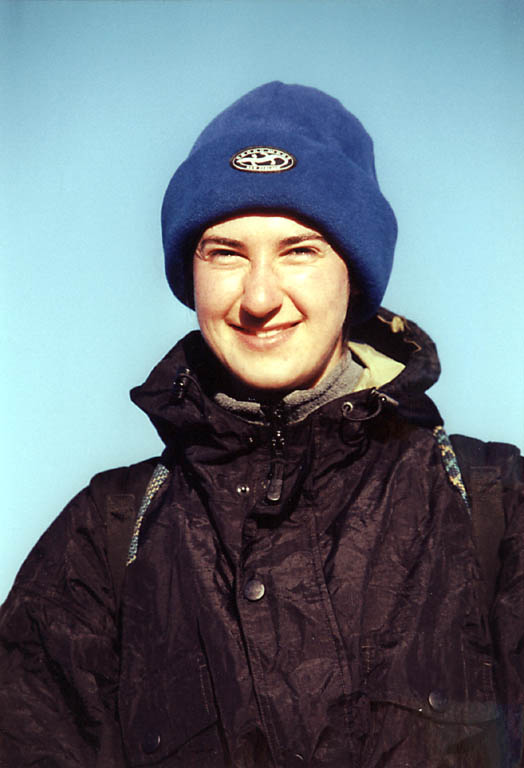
[[103, 101]]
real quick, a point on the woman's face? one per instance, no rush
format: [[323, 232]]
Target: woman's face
[[271, 297]]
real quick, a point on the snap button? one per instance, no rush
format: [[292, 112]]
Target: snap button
[[242, 489], [151, 742], [254, 590], [438, 701]]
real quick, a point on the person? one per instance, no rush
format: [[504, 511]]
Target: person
[[299, 584]]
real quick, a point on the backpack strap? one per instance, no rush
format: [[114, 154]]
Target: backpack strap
[[474, 468], [451, 464], [482, 473], [156, 481], [121, 493]]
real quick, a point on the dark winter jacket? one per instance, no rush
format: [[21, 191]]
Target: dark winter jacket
[[303, 594]]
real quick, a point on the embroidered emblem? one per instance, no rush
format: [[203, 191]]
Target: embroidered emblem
[[159, 476], [263, 160], [451, 464]]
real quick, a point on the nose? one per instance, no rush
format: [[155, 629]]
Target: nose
[[262, 294]]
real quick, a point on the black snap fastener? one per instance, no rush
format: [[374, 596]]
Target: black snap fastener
[[254, 590], [438, 701], [150, 742], [242, 489]]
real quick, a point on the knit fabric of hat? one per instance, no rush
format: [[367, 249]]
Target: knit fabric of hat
[[324, 175]]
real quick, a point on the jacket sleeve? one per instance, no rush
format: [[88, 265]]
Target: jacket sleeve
[[508, 609], [494, 475], [58, 646]]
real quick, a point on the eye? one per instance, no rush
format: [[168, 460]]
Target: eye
[[221, 256], [300, 254]]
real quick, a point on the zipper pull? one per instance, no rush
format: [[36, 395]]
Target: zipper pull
[[276, 481], [276, 468]]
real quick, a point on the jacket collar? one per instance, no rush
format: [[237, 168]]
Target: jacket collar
[[399, 360]]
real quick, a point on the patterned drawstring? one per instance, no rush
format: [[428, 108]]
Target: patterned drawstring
[[451, 465], [158, 478]]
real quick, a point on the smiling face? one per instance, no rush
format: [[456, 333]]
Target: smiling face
[[271, 297]]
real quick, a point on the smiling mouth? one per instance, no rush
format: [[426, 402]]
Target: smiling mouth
[[265, 333]]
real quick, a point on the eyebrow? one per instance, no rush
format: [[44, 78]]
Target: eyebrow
[[219, 241], [301, 238], [232, 243]]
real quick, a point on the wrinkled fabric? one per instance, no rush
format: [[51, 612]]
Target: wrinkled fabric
[[343, 625]]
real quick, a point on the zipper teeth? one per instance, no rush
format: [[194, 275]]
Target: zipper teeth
[[277, 441]]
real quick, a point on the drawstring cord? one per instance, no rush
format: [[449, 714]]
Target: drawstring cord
[[381, 400], [180, 389], [181, 383]]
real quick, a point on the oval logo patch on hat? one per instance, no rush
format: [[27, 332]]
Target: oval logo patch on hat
[[263, 160]]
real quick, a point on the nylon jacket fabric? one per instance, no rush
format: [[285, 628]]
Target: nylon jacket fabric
[[343, 624]]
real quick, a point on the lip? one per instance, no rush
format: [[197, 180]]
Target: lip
[[266, 337]]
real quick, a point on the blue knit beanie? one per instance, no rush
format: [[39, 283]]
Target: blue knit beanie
[[292, 150]]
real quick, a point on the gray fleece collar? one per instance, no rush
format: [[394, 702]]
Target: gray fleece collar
[[299, 404]]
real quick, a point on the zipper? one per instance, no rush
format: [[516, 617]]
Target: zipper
[[275, 476]]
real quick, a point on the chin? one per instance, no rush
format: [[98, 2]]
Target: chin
[[271, 385]]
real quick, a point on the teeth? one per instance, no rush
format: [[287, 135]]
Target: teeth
[[263, 334], [266, 334]]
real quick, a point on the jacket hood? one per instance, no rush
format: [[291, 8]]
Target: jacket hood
[[403, 341], [190, 373]]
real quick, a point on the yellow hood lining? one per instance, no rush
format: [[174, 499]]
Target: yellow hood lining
[[379, 369]]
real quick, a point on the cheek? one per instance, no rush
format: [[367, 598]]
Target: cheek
[[329, 292], [207, 298], [201, 286], [215, 292], [340, 287]]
